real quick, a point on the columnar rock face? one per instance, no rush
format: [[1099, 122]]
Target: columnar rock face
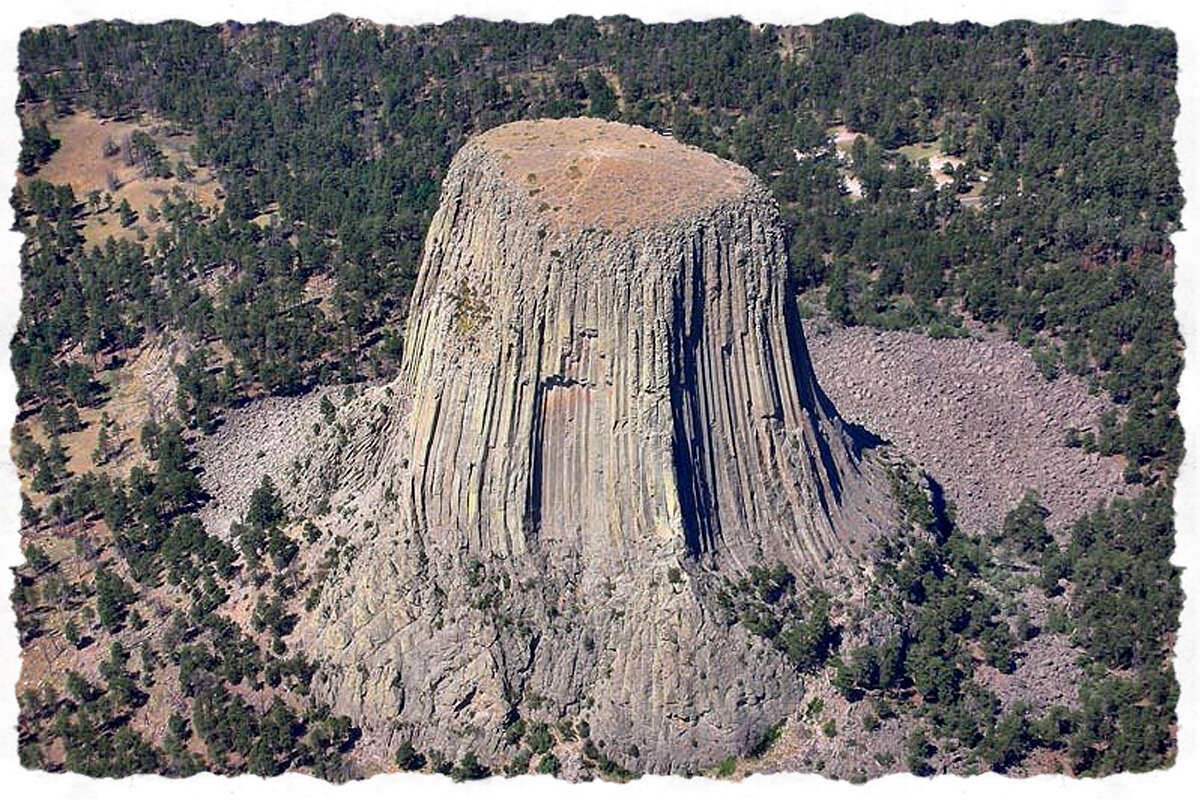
[[605, 409]]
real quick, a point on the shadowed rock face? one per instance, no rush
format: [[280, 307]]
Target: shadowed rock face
[[605, 406]]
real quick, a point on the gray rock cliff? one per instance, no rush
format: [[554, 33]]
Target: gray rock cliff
[[605, 409]]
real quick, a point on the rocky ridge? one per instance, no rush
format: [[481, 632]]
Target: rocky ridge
[[602, 416]]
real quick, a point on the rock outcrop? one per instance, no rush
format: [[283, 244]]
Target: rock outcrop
[[606, 410]]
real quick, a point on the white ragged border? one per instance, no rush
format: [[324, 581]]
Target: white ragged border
[[21, 14]]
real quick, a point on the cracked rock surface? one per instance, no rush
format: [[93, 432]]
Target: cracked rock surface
[[606, 408]]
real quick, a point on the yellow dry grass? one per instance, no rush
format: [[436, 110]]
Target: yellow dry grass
[[584, 172], [80, 162], [843, 137], [916, 152]]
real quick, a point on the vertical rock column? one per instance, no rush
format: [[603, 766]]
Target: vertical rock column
[[599, 356], [605, 409]]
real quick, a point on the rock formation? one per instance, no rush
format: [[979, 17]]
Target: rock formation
[[605, 410]]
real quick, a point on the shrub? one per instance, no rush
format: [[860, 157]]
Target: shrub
[[548, 765], [768, 739], [407, 758], [539, 738], [469, 769]]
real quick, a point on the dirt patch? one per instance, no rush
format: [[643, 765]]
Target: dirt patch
[[81, 162], [976, 413], [590, 173], [852, 186], [843, 137]]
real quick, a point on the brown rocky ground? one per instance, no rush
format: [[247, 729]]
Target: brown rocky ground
[[975, 412]]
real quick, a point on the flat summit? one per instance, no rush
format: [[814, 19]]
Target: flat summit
[[583, 172]]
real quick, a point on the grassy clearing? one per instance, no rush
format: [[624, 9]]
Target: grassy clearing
[[843, 138], [916, 152], [81, 162]]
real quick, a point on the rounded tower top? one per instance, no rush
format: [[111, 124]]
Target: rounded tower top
[[584, 172]]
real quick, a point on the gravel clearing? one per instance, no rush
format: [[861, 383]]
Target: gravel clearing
[[974, 412]]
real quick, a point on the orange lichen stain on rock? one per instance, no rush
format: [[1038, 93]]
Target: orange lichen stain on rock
[[607, 175]]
